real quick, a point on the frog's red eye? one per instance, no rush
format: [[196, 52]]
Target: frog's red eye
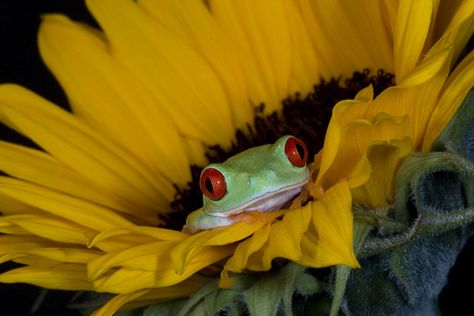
[[213, 184], [296, 152]]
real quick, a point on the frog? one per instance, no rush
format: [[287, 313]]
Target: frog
[[260, 179]]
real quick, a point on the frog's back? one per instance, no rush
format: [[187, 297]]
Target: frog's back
[[251, 160]]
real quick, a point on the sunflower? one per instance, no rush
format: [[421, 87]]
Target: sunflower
[[161, 83]]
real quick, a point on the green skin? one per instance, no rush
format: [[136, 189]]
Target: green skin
[[258, 175]]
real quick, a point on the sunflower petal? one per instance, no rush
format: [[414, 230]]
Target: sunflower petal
[[332, 222], [250, 222], [65, 276], [412, 26], [304, 67], [153, 233], [179, 78], [150, 296], [40, 168], [201, 31], [18, 243], [147, 257], [260, 33], [114, 305], [81, 148], [105, 96], [285, 236], [460, 28], [66, 255], [381, 160], [355, 22], [455, 90], [349, 140], [126, 280], [241, 255], [10, 206], [49, 227], [73, 209]]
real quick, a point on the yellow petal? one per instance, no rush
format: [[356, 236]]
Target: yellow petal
[[150, 296], [348, 149], [244, 250], [8, 228], [147, 257], [446, 11], [73, 209], [114, 305], [118, 239], [36, 261], [202, 32], [50, 227], [195, 151], [179, 77], [65, 276], [285, 236], [332, 221], [356, 23], [153, 234], [106, 96], [66, 255], [381, 160], [38, 167], [343, 113], [126, 280], [458, 85], [250, 222], [358, 136], [10, 206], [411, 30], [260, 34], [81, 148], [304, 69], [18, 243], [460, 28]]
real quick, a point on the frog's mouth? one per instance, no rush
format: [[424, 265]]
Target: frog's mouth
[[270, 202]]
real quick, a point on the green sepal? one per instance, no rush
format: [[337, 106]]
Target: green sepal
[[274, 292], [436, 180], [458, 135], [361, 229], [168, 308], [210, 299]]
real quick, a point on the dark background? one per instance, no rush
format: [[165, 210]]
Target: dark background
[[20, 63]]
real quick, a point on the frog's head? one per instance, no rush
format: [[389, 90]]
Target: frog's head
[[261, 178]]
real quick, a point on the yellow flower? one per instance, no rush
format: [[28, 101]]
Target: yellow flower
[[164, 80]]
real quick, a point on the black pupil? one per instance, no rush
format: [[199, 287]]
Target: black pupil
[[300, 150], [209, 186]]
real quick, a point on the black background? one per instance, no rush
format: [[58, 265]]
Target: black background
[[20, 63]]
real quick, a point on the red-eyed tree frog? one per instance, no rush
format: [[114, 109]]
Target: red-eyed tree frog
[[262, 178]]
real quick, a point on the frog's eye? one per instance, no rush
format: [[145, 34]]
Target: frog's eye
[[296, 152], [213, 184]]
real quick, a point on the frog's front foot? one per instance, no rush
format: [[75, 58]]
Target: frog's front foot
[[199, 220]]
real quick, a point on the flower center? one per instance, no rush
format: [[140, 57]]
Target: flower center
[[306, 118]]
